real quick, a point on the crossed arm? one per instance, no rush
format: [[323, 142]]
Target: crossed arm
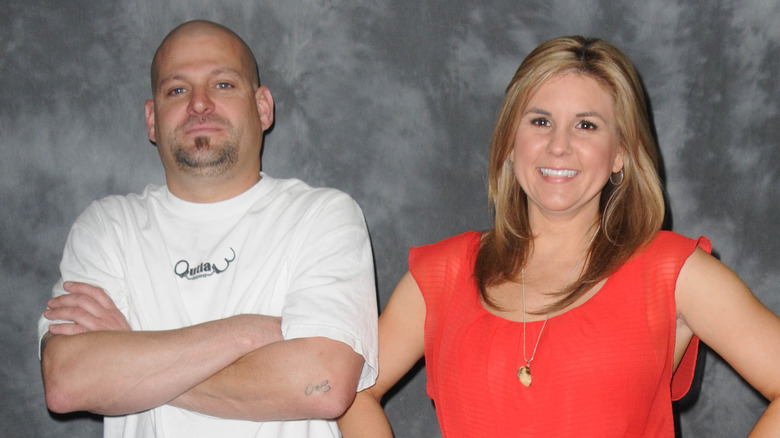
[[237, 367]]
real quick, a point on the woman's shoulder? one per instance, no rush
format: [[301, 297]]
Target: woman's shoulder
[[668, 251], [669, 242], [455, 245], [467, 238], [453, 251]]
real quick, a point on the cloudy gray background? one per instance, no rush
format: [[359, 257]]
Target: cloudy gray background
[[392, 101]]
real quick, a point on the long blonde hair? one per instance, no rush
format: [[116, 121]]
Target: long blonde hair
[[631, 212]]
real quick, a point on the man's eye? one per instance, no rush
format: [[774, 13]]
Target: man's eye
[[540, 121], [224, 85], [176, 91]]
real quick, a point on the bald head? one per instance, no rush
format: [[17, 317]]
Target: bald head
[[203, 28]]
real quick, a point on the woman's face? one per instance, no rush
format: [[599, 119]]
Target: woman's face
[[566, 146]]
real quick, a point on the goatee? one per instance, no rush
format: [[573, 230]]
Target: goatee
[[205, 159]]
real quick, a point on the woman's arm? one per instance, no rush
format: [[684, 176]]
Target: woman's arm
[[401, 345], [720, 309]]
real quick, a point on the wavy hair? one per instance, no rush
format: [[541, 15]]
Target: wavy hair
[[631, 213]]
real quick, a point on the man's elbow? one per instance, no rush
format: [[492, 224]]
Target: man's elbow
[[59, 396], [338, 392], [337, 401], [57, 399], [62, 398]]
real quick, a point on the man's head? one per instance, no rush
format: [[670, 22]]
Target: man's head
[[208, 113], [204, 27]]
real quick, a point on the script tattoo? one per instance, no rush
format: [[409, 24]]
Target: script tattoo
[[322, 387]]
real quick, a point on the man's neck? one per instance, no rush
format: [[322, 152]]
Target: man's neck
[[209, 190]]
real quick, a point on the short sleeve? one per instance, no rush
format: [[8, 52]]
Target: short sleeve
[[333, 292], [91, 255], [683, 376], [437, 269]]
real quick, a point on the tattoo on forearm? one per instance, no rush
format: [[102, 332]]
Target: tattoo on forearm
[[322, 387]]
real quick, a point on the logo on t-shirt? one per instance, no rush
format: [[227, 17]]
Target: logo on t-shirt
[[205, 269]]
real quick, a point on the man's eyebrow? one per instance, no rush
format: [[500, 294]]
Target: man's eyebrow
[[169, 78], [214, 72], [219, 71]]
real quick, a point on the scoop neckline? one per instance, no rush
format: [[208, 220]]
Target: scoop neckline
[[551, 318]]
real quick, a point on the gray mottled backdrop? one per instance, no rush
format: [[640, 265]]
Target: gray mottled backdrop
[[393, 102]]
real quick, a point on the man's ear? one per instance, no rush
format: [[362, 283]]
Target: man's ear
[[265, 106], [149, 110]]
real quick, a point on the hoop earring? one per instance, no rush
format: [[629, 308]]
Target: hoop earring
[[621, 176]]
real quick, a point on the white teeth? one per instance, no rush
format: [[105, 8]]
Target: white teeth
[[568, 173]]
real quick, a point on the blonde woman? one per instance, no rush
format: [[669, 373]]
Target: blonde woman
[[575, 315]]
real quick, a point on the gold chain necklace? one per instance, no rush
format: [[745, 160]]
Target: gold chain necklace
[[524, 372]]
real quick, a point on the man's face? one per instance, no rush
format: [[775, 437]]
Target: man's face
[[207, 117]]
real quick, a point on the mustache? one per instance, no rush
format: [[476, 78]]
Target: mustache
[[205, 118]]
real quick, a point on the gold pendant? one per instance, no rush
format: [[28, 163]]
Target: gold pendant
[[524, 374]]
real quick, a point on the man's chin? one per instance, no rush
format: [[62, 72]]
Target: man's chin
[[208, 162]]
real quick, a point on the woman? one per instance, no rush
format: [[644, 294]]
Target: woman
[[574, 315]]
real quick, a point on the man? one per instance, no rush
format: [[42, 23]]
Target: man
[[226, 303]]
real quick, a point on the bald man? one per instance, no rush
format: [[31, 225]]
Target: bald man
[[227, 302]]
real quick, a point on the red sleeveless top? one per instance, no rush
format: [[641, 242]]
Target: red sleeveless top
[[602, 369]]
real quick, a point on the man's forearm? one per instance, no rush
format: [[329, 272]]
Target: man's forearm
[[121, 372], [294, 379]]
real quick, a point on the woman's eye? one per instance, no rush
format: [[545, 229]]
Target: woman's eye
[[540, 121], [587, 125]]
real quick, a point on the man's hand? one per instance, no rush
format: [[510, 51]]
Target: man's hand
[[89, 309]]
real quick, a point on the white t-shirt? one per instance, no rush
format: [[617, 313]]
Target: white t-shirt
[[281, 248]]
